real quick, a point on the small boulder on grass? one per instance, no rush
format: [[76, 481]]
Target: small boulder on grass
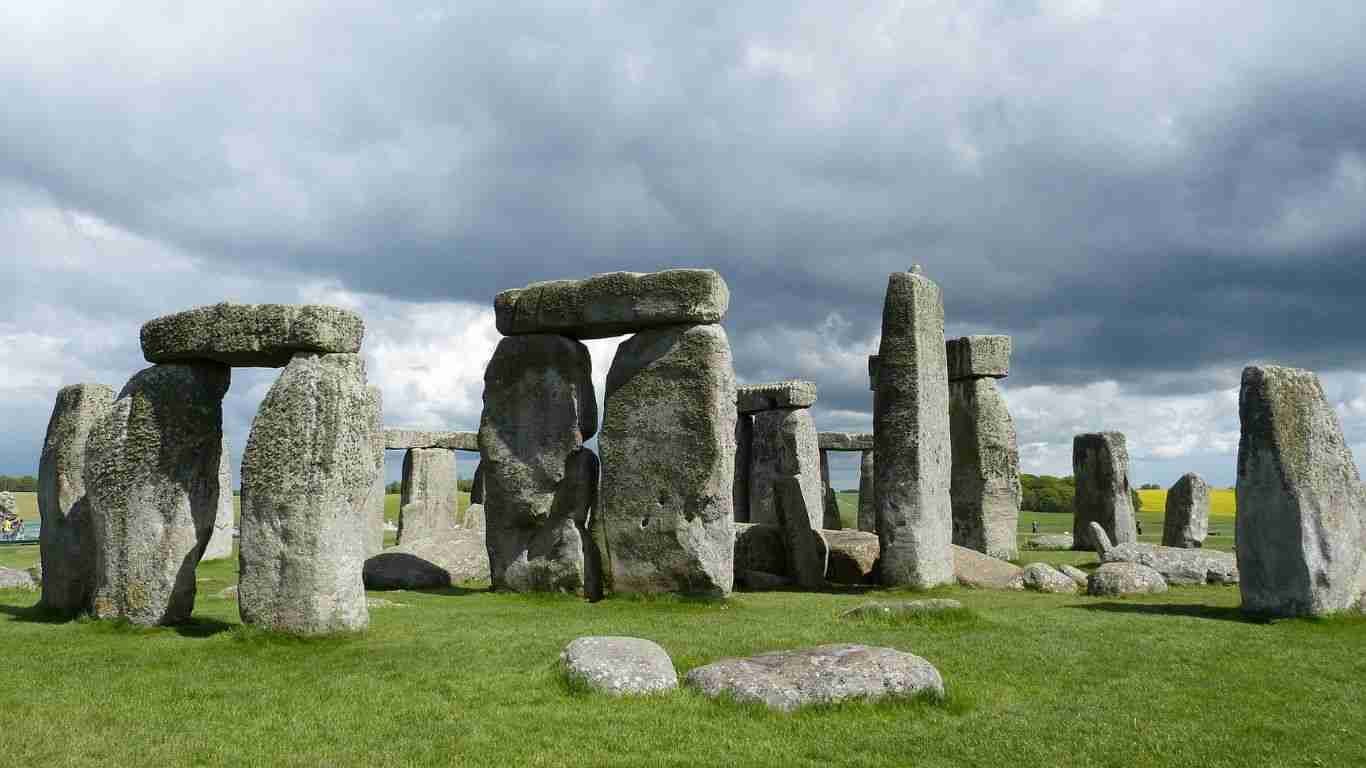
[[1116, 579], [15, 579], [1049, 541], [1042, 577], [619, 666], [902, 608], [1074, 573]]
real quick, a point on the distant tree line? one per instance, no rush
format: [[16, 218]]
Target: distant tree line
[[20, 484], [1045, 493]]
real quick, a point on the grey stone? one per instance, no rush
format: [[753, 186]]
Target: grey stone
[[1077, 575], [11, 578], [613, 304], [1186, 523], [744, 440], [1100, 464], [902, 608], [986, 469], [434, 562], [540, 483], [807, 551], [829, 502], [759, 581], [760, 548], [619, 666], [911, 429], [974, 569], [477, 484], [1042, 577], [753, 398], [668, 447], [151, 477], [827, 674], [867, 501], [785, 488], [375, 497], [429, 498], [853, 557], [406, 439], [308, 470], [1114, 579], [224, 521], [874, 365], [972, 357], [473, 518], [66, 540], [1050, 541], [1177, 565], [265, 335], [845, 441], [1300, 537]]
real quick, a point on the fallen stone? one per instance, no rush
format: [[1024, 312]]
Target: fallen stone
[[264, 335], [1074, 573], [613, 304], [619, 666], [853, 557], [829, 674], [911, 430], [435, 562], [1041, 577], [867, 502], [428, 500], [11, 578], [66, 540], [1186, 522], [307, 472], [1116, 579], [902, 608], [759, 581], [407, 439], [1100, 464], [668, 461], [151, 476], [1177, 565], [974, 569], [845, 441], [985, 486], [225, 520], [1049, 541], [540, 483], [1299, 536], [972, 357], [754, 398]]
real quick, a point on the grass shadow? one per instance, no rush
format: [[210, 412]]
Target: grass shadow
[[1192, 610], [35, 614]]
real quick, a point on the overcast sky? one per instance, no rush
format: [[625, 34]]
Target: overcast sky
[[1146, 196]]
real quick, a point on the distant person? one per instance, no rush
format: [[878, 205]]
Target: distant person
[[1139, 524], [1034, 526]]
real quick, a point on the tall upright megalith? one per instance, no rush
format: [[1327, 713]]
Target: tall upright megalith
[[66, 541], [867, 498], [220, 541], [1300, 535], [152, 463], [986, 458], [1100, 466], [540, 482], [1186, 520], [786, 485], [307, 473], [911, 435], [428, 502], [374, 500]]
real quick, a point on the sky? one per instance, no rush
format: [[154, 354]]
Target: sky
[[1146, 196]]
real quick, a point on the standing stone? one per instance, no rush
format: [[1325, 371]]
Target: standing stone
[[1187, 517], [66, 540], [477, 484], [151, 474], [1100, 464], [911, 435], [744, 462], [374, 499], [428, 503], [668, 447], [786, 488], [831, 520], [1300, 500], [867, 500], [220, 541], [308, 469], [986, 468], [540, 483]]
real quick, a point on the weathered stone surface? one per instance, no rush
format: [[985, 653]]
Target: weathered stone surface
[[753, 398], [1113, 579], [1301, 506], [473, 518], [428, 500], [266, 335], [151, 477], [66, 540], [972, 357], [830, 506], [1186, 523], [433, 562], [974, 569], [1050, 541], [1042, 577], [1077, 575], [307, 472], [11, 578], [986, 469], [902, 608], [619, 666], [1177, 565], [853, 557], [613, 304], [1100, 464], [807, 552], [668, 462], [540, 483], [744, 440], [845, 441], [477, 484], [374, 498], [220, 541], [785, 488], [760, 548], [867, 501], [406, 439], [911, 428], [758, 581], [826, 674], [874, 365]]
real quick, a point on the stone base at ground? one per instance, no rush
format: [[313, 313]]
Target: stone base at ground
[[853, 557], [974, 569], [619, 666], [1177, 565], [1116, 579], [1041, 577], [431, 563]]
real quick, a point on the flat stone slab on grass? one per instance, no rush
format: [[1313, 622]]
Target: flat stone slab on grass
[[260, 335], [1176, 564], [619, 666], [845, 441], [827, 674], [902, 608], [974, 569], [403, 439], [1115, 579], [430, 563], [1042, 577], [1049, 541], [614, 303]]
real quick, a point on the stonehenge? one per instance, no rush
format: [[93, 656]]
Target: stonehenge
[[614, 304], [1186, 520], [427, 502], [985, 487], [220, 540], [253, 335], [1100, 464], [845, 441]]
